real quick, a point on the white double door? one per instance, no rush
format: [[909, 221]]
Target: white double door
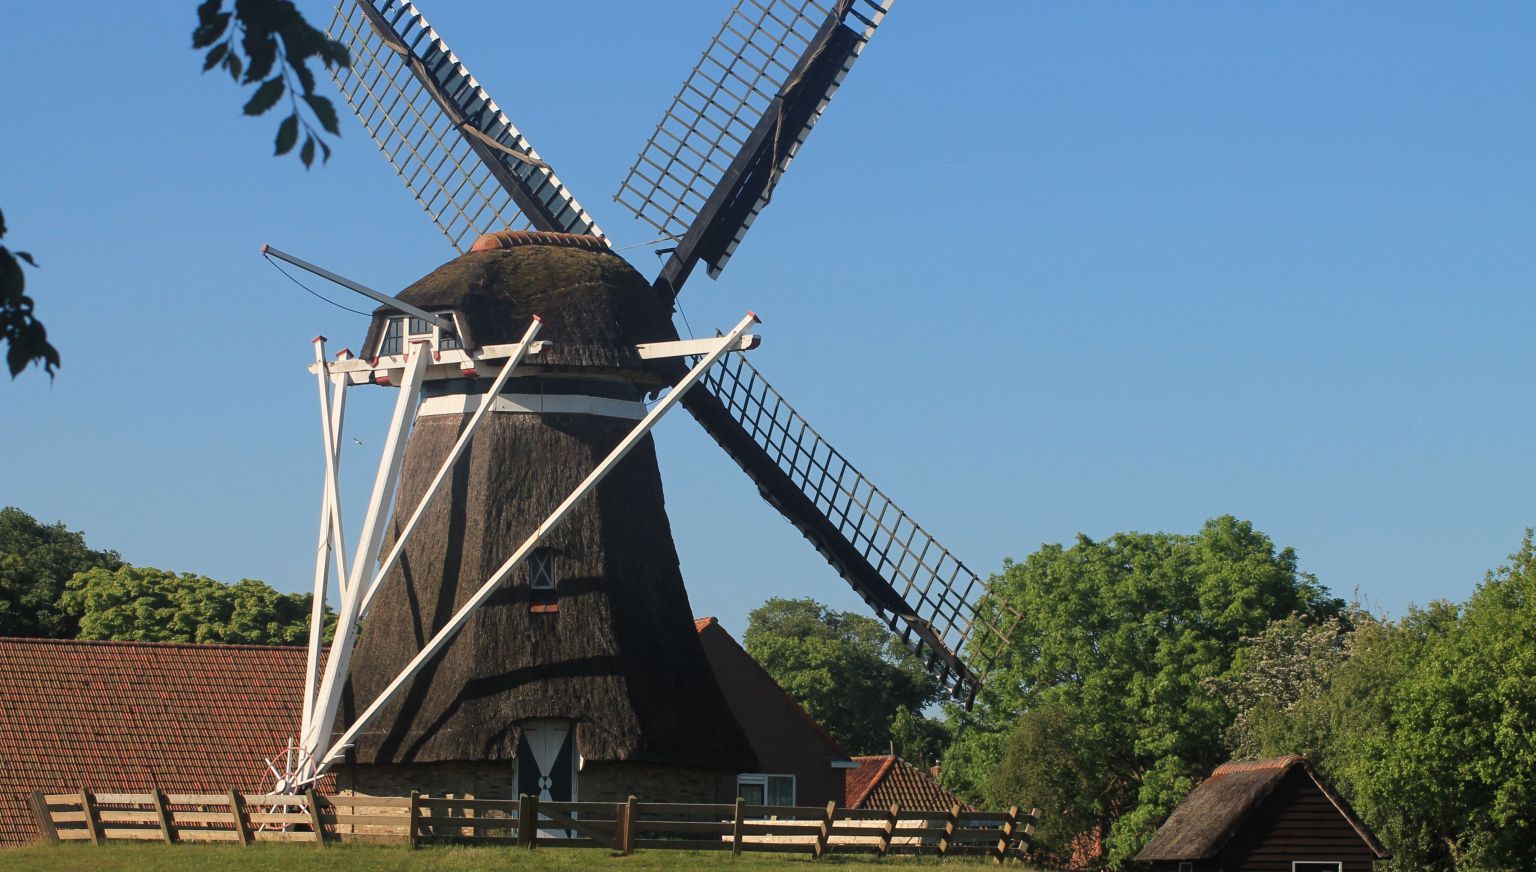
[[546, 760]]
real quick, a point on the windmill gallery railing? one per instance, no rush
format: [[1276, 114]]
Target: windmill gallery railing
[[621, 827]]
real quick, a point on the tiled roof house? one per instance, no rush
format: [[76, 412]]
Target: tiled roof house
[[132, 716], [883, 780]]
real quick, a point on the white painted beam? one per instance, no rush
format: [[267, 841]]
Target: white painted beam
[[486, 404]]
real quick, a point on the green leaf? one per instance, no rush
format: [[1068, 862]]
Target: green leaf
[[324, 111], [325, 152], [307, 153], [214, 56], [287, 134], [265, 97], [210, 28], [301, 70], [26, 257], [233, 63]]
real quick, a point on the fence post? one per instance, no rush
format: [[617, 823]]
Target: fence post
[[92, 822], [631, 822], [826, 831], [237, 813], [44, 817], [1029, 831], [163, 815], [1005, 838], [314, 815], [950, 823], [739, 827], [888, 830], [412, 818], [527, 820]]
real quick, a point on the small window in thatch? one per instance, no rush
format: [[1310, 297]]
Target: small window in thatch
[[400, 331], [541, 569], [1317, 866]]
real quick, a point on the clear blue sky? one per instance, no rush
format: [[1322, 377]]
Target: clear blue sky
[[1043, 268]]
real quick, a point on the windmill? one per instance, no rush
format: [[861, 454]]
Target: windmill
[[460, 656]]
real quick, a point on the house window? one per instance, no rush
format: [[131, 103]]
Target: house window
[[541, 569], [766, 789], [400, 331], [1317, 866], [1186, 866]]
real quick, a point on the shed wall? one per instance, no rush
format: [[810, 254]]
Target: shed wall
[[1296, 822]]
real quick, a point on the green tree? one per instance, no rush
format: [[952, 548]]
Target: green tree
[[918, 739], [851, 673], [1428, 726], [1118, 641], [264, 44], [36, 561], [134, 603]]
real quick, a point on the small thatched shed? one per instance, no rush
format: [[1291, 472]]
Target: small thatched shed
[[587, 666], [1272, 815]]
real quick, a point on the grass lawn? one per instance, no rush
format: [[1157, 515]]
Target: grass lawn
[[397, 858]]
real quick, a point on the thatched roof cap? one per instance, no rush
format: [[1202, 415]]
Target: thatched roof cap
[[595, 306], [1213, 812]]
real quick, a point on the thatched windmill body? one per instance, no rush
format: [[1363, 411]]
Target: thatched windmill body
[[528, 609]]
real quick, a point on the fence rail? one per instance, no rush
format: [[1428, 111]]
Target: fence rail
[[621, 827]]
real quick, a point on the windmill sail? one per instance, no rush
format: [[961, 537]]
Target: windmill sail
[[461, 156], [739, 120], [941, 609]]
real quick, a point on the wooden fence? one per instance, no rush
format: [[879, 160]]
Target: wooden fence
[[621, 827]]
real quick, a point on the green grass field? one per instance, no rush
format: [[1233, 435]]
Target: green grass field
[[397, 858]]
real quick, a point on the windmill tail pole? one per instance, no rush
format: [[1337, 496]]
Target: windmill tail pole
[[451, 629], [379, 296]]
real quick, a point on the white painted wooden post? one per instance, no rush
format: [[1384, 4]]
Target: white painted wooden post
[[486, 403], [369, 539], [331, 418], [462, 616]]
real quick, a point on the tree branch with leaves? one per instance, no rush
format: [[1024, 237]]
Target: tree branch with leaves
[[268, 44]]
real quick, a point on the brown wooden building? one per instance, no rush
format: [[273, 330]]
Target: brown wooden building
[[1272, 815]]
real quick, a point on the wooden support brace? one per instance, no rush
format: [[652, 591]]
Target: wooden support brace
[[740, 826], [413, 821], [314, 815], [825, 835], [44, 817], [527, 820], [1029, 832], [1005, 836], [631, 822], [237, 813], [92, 819], [888, 830], [163, 815], [951, 822]]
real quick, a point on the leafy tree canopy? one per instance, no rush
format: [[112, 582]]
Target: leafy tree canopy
[[1427, 724], [1112, 657], [143, 604], [851, 674], [36, 561]]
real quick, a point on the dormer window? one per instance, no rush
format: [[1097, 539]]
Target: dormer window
[[400, 331]]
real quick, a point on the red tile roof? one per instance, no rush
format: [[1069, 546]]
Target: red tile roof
[[129, 716], [884, 779]]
